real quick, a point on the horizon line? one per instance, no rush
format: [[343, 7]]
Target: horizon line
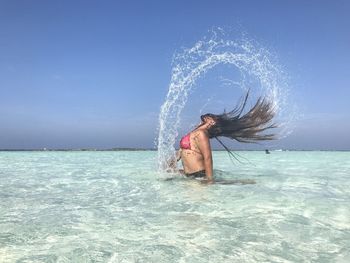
[[154, 149]]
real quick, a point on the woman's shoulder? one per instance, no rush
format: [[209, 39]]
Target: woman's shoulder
[[201, 133]]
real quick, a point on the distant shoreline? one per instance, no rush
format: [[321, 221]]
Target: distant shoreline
[[76, 150], [152, 149]]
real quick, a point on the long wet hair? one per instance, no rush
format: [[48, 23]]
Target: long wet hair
[[243, 127]]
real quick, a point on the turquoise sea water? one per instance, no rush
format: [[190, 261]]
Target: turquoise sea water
[[114, 207]]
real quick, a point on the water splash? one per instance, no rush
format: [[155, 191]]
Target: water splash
[[257, 68]]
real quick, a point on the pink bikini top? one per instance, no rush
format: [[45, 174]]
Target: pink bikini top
[[185, 142]]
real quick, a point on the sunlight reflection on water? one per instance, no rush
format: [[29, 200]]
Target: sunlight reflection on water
[[109, 207]]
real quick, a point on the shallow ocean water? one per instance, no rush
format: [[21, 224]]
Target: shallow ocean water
[[115, 207]]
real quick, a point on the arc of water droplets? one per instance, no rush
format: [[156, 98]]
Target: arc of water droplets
[[192, 63]]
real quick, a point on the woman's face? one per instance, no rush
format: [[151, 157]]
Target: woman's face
[[207, 119]]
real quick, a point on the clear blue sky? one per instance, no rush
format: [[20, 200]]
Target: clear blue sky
[[95, 73]]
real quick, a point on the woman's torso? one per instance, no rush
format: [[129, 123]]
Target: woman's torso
[[192, 159]]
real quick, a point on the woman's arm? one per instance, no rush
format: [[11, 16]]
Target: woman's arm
[[172, 162], [178, 155], [205, 148]]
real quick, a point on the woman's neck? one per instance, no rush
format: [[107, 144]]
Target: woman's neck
[[203, 126]]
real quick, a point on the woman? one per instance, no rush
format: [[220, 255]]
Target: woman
[[195, 149]]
